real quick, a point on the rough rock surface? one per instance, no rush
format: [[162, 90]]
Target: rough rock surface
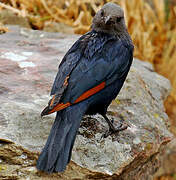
[[168, 164], [28, 64]]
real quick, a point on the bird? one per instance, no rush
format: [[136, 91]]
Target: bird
[[89, 77]]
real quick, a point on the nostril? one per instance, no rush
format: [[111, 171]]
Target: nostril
[[107, 20], [108, 23]]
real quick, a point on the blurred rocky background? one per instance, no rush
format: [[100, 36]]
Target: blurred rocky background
[[151, 23]]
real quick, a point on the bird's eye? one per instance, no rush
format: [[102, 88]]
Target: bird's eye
[[102, 13], [118, 19]]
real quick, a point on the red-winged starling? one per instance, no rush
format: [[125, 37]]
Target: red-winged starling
[[89, 77]]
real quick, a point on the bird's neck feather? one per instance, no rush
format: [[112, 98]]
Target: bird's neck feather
[[121, 34]]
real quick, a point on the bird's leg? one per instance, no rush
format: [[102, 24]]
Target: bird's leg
[[112, 129]]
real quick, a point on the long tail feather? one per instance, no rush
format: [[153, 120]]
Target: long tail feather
[[57, 151]]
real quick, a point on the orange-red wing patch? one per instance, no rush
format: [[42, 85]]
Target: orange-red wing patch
[[90, 92], [66, 81], [52, 101], [59, 107], [85, 95]]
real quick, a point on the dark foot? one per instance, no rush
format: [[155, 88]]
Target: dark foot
[[112, 129]]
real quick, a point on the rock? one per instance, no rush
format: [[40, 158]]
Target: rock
[[9, 17], [168, 163], [57, 27], [3, 29], [28, 64]]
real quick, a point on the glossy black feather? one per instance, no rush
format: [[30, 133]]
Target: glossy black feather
[[104, 54], [94, 58]]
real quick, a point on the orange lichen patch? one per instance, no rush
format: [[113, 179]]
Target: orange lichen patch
[[90, 92]]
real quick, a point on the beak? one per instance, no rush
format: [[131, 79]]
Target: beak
[[107, 19]]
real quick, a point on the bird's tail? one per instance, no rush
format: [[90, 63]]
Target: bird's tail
[[57, 151]]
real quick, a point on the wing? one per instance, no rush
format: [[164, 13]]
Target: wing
[[68, 63], [92, 73]]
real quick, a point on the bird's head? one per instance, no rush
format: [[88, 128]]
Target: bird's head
[[109, 19]]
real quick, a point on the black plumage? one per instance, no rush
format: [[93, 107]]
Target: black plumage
[[89, 77]]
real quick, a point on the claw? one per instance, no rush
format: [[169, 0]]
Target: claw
[[106, 134], [114, 131]]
